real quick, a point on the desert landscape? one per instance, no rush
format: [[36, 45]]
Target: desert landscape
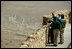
[[22, 18]]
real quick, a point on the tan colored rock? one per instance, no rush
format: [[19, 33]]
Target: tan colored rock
[[24, 46], [37, 40], [40, 38]]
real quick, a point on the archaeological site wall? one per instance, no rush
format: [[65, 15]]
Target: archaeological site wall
[[40, 38]]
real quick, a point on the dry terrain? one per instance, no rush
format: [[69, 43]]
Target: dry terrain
[[21, 18]]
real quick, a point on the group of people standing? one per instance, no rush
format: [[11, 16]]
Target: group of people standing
[[56, 27]]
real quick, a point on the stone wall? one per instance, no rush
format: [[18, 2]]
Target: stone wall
[[67, 15], [40, 38], [36, 40]]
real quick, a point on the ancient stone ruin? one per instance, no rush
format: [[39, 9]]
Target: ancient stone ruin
[[40, 38]]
